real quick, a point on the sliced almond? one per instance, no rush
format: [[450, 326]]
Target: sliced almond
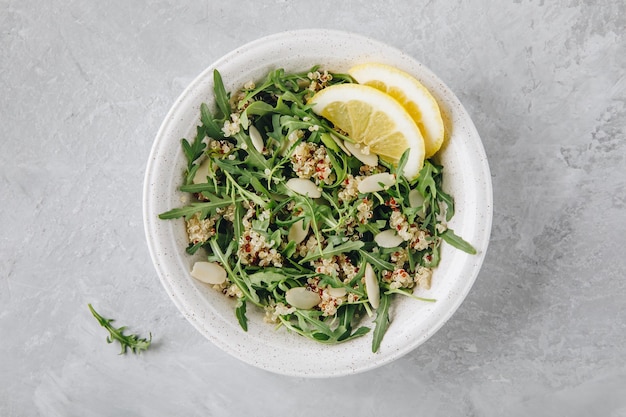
[[300, 297], [336, 292], [416, 199], [371, 286], [370, 159], [388, 239], [376, 182], [304, 187], [255, 137], [202, 172], [341, 144], [208, 272], [298, 231]]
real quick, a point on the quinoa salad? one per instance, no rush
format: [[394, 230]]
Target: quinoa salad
[[296, 219]]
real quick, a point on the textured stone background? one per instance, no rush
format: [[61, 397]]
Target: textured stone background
[[84, 87]]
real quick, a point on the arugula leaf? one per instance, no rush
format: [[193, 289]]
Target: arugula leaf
[[256, 184], [324, 214], [376, 261], [269, 278], [408, 293], [202, 187], [221, 97], [398, 170], [211, 126], [239, 278], [246, 195], [361, 331], [454, 240], [240, 312], [131, 341], [337, 250], [259, 108], [290, 249], [449, 202], [328, 141], [311, 327], [237, 216], [255, 158], [310, 215], [426, 184], [193, 248], [203, 208], [192, 152], [382, 321]]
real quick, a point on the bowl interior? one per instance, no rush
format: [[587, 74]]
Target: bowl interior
[[466, 178]]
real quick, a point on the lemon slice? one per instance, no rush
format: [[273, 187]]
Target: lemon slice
[[415, 98], [374, 120]]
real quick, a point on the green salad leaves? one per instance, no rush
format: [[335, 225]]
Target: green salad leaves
[[275, 202], [130, 341]]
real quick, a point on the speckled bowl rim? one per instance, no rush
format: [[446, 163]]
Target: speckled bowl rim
[[467, 178]]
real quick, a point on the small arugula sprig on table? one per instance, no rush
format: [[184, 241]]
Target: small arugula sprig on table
[[130, 341], [278, 108]]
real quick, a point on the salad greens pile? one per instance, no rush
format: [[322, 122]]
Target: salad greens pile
[[244, 213]]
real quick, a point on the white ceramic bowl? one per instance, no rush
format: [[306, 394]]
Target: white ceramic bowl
[[467, 178]]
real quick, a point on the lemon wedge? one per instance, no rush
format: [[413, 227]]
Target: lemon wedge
[[375, 120], [413, 96]]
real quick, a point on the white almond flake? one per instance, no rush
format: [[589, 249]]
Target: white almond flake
[[304, 187], [377, 182], [298, 231], [300, 297], [202, 172], [336, 292], [388, 239], [255, 137], [341, 144], [371, 286], [209, 273], [370, 159], [415, 198]]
